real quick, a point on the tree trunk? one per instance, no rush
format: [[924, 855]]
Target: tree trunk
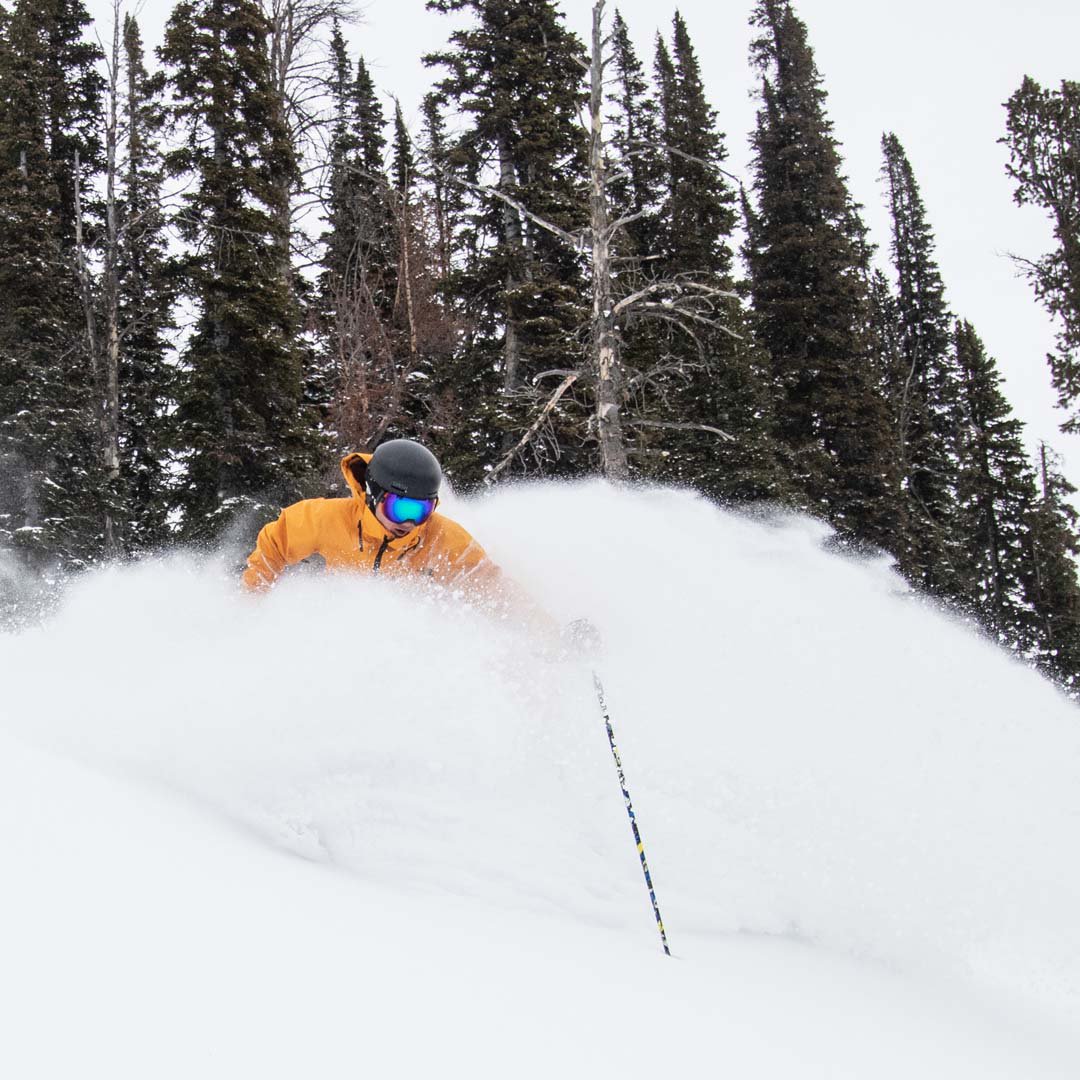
[[99, 380], [111, 290], [605, 340], [512, 238]]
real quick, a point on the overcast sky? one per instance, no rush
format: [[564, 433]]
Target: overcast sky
[[934, 72]]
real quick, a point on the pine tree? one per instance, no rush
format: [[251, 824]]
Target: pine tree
[[924, 388], [698, 214], [425, 333], [807, 257], [50, 505], [515, 74], [146, 289], [709, 403], [404, 160], [1051, 580], [446, 197], [324, 374], [996, 495], [360, 232], [636, 144], [72, 87], [360, 280], [245, 434], [32, 309], [374, 227], [1044, 148]]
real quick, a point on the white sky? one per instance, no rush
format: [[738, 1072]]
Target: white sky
[[935, 72]]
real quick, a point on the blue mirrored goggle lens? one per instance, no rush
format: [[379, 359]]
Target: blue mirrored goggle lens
[[400, 509]]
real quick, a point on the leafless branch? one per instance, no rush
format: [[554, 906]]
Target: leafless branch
[[575, 241], [529, 435], [673, 426]]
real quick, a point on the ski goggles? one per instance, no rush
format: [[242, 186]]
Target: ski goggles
[[401, 510]]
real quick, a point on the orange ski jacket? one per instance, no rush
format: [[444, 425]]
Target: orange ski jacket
[[349, 536]]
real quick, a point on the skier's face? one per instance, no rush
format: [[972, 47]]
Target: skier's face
[[391, 527]]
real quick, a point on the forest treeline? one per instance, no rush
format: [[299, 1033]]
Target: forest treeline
[[224, 264]]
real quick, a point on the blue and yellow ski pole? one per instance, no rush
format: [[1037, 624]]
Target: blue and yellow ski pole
[[630, 810]]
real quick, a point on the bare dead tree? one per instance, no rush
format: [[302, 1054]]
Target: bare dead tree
[[111, 282], [88, 298], [103, 341], [297, 61], [605, 343], [378, 347]]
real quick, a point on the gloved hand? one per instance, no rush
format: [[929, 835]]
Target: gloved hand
[[582, 640]]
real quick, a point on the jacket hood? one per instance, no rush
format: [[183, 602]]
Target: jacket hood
[[353, 468]]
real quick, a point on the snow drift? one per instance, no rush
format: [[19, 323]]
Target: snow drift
[[860, 816]]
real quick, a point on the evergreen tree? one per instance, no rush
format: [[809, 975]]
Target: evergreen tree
[[360, 232], [241, 421], [996, 496], [425, 334], [146, 294], [516, 76], [50, 502], [923, 388], [370, 186], [698, 212], [360, 264], [72, 87], [404, 161], [323, 377], [446, 197], [31, 303], [806, 252], [636, 144], [709, 402], [1051, 581], [1044, 148]]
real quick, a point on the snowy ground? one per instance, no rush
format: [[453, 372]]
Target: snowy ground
[[233, 846]]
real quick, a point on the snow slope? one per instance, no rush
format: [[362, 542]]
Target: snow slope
[[354, 828]]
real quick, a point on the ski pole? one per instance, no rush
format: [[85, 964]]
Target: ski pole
[[630, 809]]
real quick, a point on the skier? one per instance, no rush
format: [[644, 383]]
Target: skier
[[388, 525]]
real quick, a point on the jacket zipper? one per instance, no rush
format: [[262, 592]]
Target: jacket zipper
[[379, 555]]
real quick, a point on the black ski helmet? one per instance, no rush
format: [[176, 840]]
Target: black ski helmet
[[405, 468]]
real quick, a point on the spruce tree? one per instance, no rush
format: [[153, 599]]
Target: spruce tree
[[1051, 576], [636, 144], [360, 279], [709, 405], [807, 256], [72, 86], [324, 374], [245, 434], [698, 212], [924, 388], [404, 160], [447, 200], [146, 296], [1044, 147], [515, 74], [32, 308], [51, 502], [373, 224], [996, 495], [359, 236], [426, 334]]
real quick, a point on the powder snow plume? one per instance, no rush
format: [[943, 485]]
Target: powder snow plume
[[815, 755]]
